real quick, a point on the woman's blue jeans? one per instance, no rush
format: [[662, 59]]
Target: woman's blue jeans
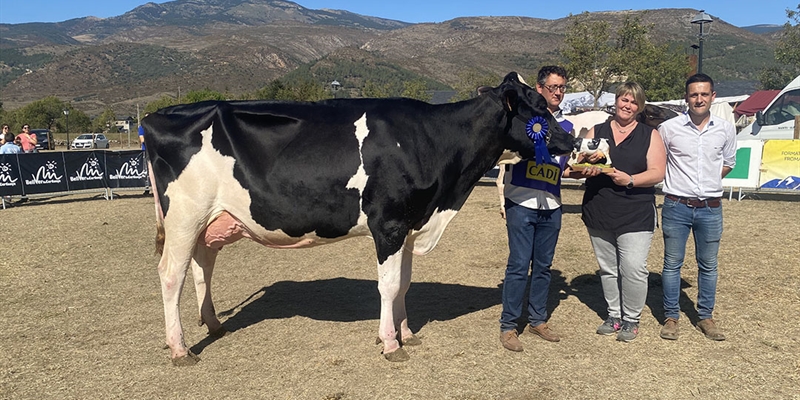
[[532, 237], [705, 223]]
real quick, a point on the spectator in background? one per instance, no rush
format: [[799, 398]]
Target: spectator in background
[[141, 133], [141, 141], [27, 140], [2, 135], [8, 146]]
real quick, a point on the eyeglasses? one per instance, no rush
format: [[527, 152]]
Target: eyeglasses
[[24, 127], [556, 88]]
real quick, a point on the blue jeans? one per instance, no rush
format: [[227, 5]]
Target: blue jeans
[[706, 225], [532, 237]]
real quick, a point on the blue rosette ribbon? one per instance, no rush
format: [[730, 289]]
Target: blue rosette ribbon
[[537, 131]]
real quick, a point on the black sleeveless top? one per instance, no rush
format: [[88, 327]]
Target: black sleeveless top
[[609, 207]]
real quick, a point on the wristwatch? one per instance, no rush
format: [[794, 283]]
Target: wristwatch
[[630, 184]]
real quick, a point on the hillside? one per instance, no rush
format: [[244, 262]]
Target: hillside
[[238, 46]]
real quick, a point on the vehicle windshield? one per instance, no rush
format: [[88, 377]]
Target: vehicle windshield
[[785, 108], [84, 137]]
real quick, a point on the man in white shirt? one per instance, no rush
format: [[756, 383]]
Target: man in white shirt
[[701, 150], [531, 203]]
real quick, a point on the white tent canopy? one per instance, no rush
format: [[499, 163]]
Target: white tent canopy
[[584, 99]]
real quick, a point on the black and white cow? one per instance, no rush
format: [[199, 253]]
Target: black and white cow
[[295, 174]]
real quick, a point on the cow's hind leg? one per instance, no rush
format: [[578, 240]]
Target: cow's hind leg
[[172, 271], [202, 269]]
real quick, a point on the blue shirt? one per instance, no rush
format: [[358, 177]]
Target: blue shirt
[[141, 134], [10, 148]]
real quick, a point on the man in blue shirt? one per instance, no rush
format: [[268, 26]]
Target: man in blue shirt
[[8, 146]]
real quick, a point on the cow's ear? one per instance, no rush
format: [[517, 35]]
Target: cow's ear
[[539, 101], [483, 89]]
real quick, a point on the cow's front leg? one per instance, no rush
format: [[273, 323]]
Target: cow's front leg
[[389, 283], [407, 337]]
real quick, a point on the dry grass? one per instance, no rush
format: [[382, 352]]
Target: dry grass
[[82, 315]]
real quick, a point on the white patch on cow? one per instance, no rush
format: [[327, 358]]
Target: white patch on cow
[[426, 238], [359, 180], [206, 189], [521, 80]]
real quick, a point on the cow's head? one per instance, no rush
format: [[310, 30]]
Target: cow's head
[[525, 108]]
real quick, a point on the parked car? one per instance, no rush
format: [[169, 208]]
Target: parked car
[[90, 141], [44, 139]]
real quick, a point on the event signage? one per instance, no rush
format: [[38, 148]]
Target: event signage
[[86, 170], [780, 165], [53, 172], [126, 169], [10, 180], [748, 161], [42, 173]]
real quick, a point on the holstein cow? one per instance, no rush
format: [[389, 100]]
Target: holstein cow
[[295, 174], [652, 116]]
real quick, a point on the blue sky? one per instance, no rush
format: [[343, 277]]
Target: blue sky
[[732, 12]]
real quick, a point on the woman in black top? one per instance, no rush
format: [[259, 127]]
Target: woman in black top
[[619, 209]]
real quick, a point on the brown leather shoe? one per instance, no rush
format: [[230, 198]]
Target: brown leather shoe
[[510, 340], [670, 329], [709, 328], [544, 332]]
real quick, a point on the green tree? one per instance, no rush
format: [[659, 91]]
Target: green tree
[[164, 101], [597, 61], [41, 113], [774, 78], [196, 96], [104, 121], [416, 89], [661, 71], [787, 50], [589, 53], [470, 80], [300, 89], [374, 89]]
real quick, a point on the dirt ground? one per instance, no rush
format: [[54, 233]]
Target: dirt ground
[[82, 315]]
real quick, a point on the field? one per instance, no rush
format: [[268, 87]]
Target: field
[[82, 315]]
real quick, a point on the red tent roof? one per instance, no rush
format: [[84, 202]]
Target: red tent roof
[[757, 101]]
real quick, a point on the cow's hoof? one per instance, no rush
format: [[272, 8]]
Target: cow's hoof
[[412, 340], [397, 355], [187, 360], [219, 332]]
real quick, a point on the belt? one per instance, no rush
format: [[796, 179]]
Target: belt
[[713, 202]]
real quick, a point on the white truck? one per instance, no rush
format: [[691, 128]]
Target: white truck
[[777, 120]]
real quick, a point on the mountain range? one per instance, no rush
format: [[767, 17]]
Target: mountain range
[[239, 46]]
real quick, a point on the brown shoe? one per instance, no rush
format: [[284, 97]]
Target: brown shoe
[[709, 328], [544, 332], [510, 340], [670, 329]]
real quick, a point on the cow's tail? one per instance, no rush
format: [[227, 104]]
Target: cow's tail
[[159, 213]]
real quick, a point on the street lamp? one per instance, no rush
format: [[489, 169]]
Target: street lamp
[[66, 115], [702, 18]]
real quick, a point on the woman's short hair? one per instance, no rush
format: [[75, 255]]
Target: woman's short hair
[[634, 89]]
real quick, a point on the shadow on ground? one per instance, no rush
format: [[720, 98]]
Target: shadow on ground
[[349, 300]]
